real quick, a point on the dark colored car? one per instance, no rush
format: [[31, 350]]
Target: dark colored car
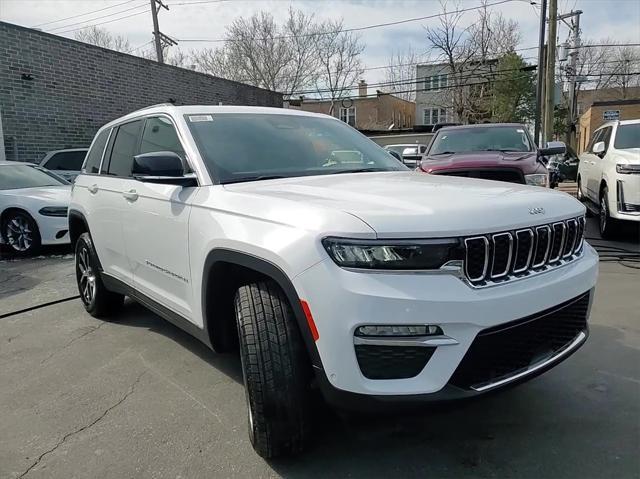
[[566, 165], [496, 151]]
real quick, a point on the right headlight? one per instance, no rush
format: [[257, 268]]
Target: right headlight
[[537, 179], [627, 169], [405, 255]]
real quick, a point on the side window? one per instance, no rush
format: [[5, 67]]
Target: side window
[[160, 135], [124, 147], [94, 156], [68, 161], [594, 139], [606, 137]]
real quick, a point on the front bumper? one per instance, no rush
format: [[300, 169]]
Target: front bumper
[[626, 197], [342, 300], [53, 229]]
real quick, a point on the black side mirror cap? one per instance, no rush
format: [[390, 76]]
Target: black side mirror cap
[[158, 163], [553, 148]]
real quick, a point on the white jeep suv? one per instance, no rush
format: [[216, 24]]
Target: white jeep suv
[[375, 284], [609, 174]]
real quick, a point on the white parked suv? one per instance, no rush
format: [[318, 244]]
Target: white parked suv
[[609, 174], [375, 284]]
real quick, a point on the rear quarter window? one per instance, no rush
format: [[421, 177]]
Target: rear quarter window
[[94, 157]]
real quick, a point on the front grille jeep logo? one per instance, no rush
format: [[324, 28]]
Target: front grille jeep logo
[[536, 211]]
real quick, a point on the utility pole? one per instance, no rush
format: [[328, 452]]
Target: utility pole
[[540, 79], [160, 38], [572, 71], [550, 71]]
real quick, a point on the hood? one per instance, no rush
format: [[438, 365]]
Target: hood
[[412, 204], [629, 156], [525, 161], [59, 195]]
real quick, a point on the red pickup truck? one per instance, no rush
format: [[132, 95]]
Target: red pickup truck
[[493, 151]]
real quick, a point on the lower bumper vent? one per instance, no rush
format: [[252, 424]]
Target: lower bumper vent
[[509, 349], [392, 362]]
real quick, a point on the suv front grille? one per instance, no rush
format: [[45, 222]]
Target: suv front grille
[[508, 349], [510, 254]]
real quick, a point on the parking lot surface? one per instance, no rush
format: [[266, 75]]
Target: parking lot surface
[[139, 398]]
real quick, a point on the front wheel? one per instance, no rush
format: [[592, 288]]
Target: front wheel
[[96, 298], [276, 370], [20, 232], [608, 225]]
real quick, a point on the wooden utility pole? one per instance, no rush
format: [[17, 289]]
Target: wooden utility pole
[[540, 73], [158, 36], [572, 71], [550, 72]]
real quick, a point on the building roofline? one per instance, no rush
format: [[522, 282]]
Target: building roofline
[[89, 45], [633, 101]]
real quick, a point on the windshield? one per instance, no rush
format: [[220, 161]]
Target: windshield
[[24, 176], [464, 140], [244, 147], [627, 136]]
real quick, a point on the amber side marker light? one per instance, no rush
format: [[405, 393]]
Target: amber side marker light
[[310, 322]]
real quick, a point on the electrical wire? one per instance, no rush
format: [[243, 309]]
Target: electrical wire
[[103, 23], [356, 29], [145, 4], [615, 254], [81, 14]]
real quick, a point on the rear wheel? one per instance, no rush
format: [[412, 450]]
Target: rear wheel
[[20, 232], [96, 298], [276, 370]]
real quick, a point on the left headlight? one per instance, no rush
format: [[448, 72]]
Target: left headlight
[[53, 211], [538, 179], [393, 255]]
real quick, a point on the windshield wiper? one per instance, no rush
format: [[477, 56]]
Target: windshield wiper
[[443, 153], [244, 179], [358, 170]]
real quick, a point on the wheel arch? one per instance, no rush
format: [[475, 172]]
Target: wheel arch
[[224, 271], [77, 225]]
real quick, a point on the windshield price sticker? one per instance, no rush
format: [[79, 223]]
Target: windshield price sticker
[[196, 118]]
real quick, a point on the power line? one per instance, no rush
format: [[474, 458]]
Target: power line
[[82, 14], [139, 47], [96, 18], [102, 23], [357, 29]]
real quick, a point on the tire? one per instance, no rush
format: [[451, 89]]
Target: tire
[[579, 194], [20, 233], [96, 298], [608, 225], [276, 370]]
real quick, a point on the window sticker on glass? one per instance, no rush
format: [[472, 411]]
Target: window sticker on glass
[[196, 118]]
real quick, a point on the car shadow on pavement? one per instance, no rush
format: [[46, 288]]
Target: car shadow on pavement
[[136, 315], [53, 250]]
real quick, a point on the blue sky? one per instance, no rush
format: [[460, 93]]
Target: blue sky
[[618, 20]]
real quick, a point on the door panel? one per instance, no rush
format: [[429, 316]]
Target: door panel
[[155, 228]]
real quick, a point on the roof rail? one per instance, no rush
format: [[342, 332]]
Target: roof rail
[[152, 106]]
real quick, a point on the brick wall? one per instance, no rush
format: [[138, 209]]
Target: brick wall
[[55, 93]]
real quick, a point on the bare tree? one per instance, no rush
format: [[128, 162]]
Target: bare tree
[[101, 37], [338, 54], [263, 53], [400, 74], [470, 57]]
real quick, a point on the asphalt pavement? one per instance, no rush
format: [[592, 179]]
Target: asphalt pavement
[[139, 398]]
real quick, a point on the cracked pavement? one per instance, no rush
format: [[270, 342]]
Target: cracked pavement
[[84, 398]]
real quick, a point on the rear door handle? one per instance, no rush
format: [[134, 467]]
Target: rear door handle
[[93, 189], [130, 195]]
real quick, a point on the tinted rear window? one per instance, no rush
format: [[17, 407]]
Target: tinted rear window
[[124, 148], [94, 157], [66, 160]]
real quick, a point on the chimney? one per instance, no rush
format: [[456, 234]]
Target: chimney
[[362, 88]]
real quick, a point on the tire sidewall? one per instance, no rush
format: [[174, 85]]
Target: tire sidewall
[[84, 243], [36, 240]]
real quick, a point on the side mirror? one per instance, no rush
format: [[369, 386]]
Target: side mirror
[[396, 155], [163, 167], [598, 149], [554, 148]]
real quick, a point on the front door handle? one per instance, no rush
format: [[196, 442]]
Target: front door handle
[[130, 195], [93, 189]]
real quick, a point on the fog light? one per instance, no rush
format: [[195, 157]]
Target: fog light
[[392, 330]]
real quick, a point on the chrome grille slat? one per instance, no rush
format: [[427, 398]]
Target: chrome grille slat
[[500, 257], [528, 232], [547, 247], [504, 271]]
